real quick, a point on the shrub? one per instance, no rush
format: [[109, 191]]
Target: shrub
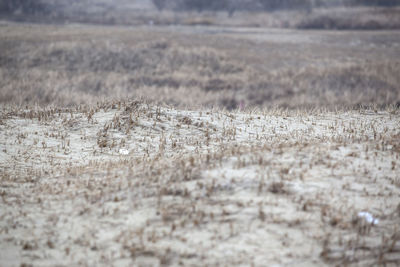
[[377, 2], [286, 4], [29, 7], [159, 4]]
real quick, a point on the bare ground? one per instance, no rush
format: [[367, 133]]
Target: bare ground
[[88, 182], [130, 183]]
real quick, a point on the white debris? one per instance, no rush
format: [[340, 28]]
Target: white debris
[[368, 217], [123, 151]]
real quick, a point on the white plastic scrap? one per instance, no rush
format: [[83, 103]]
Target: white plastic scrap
[[123, 151], [368, 217]]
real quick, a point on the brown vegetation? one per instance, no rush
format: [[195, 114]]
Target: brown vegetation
[[352, 19], [197, 187], [305, 14], [75, 65], [89, 180]]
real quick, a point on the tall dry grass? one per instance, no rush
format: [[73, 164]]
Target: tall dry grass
[[67, 66]]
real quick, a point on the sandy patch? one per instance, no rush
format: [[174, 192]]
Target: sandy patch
[[124, 184]]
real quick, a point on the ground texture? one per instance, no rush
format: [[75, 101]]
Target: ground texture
[[130, 183]]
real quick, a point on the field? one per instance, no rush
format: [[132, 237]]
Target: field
[[177, 145], [201, 66]]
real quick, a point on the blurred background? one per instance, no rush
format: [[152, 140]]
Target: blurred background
[[343, 14], [196, 53]]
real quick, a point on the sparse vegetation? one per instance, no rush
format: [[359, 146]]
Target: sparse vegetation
[[198, 179], [191, 146]]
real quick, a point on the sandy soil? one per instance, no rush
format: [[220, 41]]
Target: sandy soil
[[122, 184]]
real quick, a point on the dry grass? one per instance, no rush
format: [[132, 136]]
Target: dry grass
[[353, 19], [130, 182], [135, 13], [85, 64], [205, 186]]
